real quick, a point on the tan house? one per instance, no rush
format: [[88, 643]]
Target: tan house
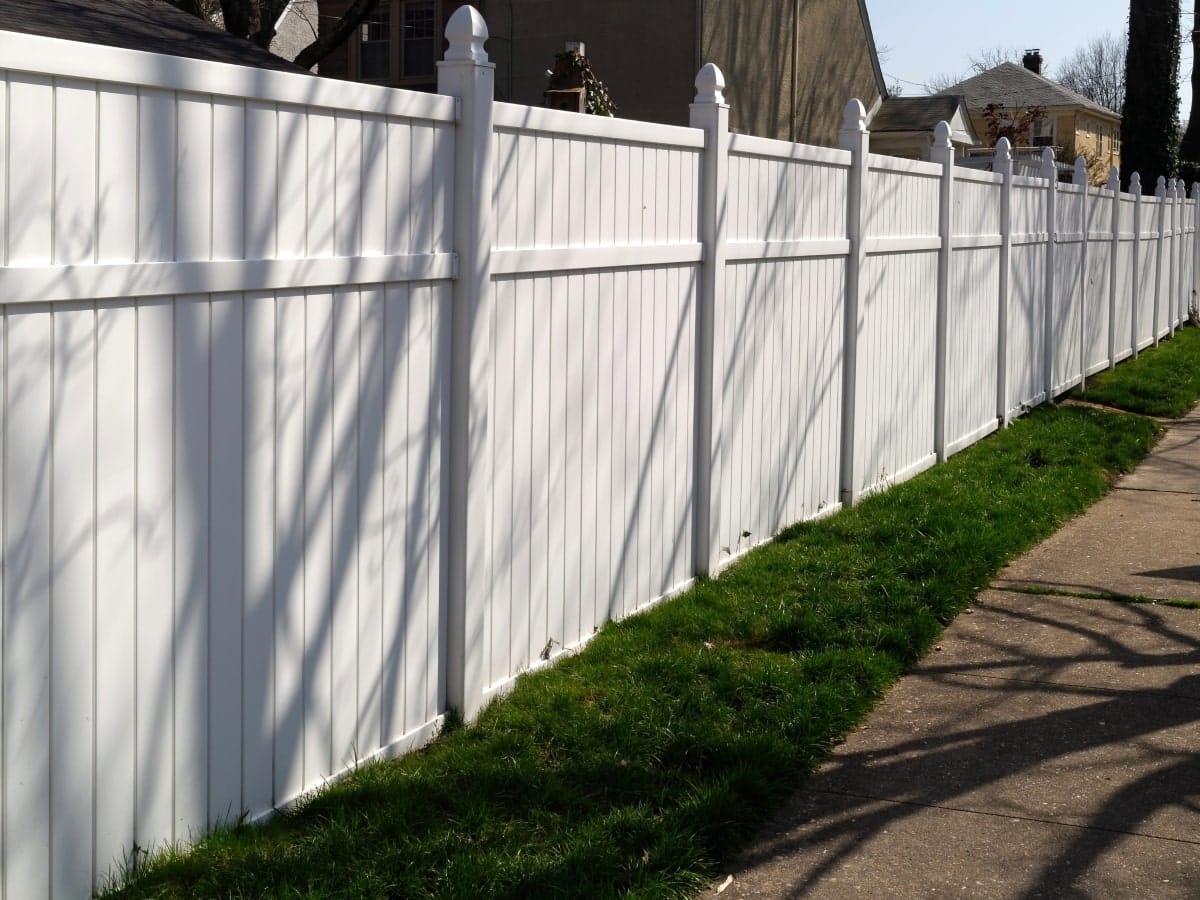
[[904, 126], [791, 65], [1069, 122]]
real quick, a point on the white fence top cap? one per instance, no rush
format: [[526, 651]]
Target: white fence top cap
[[854, 118], [710, 84], [465, 33], [1004, 149], [941, 134]]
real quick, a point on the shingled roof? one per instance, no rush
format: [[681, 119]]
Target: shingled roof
[[906, 114], [149, 25], [1012, 85]]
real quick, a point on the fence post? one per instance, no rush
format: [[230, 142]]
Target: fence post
[[1080, 179], [1177, 256], [710, 113], [1114, 187], [466, 74], [1160, 194], [1002, 163], [855, 138], [1050, 173], [1172, 303], [942, 153], [1135, 188], [1193, 306]]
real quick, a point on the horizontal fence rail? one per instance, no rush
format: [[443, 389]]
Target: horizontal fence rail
[[328, 408]]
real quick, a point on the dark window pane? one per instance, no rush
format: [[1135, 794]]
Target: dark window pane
[[420, 48], [375, 45]]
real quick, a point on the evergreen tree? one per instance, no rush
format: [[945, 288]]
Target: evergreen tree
[[1189, 147], [1150, 119]]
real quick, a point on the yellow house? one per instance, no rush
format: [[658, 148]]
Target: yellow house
[[1068, 122]]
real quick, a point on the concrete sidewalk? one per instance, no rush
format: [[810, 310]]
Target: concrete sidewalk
[[1050, 747]]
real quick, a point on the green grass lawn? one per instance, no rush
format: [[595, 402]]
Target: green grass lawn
[[1165, 382], [640, 766]]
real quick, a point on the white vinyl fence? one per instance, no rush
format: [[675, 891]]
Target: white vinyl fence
[[327, 407]]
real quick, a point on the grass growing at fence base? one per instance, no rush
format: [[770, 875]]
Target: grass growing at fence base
[[638, 766], [1163, 383]]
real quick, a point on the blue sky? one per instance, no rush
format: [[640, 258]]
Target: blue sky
[[938, 36]]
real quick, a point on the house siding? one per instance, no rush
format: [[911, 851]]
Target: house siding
[[780, 91]]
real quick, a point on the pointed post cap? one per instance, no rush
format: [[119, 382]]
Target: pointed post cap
[[1160, 186], [854, 116], [1048, 168], [1003, 150], [1135, 184], [710, 84], [1114, 179], [941, 135], [1080, 175], [465, 33]]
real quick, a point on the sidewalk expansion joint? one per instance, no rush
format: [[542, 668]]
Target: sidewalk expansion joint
[[1033, 590], [1083, 687], [1142, 490], [1009, 816]]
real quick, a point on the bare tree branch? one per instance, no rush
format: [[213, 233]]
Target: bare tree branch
[[330, 40], [1097, 71]]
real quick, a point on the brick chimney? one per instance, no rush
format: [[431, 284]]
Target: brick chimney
[[1032, 60]]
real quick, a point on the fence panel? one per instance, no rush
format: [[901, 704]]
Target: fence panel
[[1098, 226], [589, 522], [224, 436], [1126, 251], [779, 331], [973, 308], [1148, 277], [1066, 309], [897, 321], [1027, 294]]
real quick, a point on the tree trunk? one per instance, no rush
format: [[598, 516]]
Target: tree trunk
[[1150, 121], [333, 38], [1189, 147]]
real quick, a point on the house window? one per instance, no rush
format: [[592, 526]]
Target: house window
[[419, 41], [375, 45], [399, 43], [1041, 132]]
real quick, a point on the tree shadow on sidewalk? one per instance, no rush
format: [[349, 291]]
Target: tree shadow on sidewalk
[[1028, 741]]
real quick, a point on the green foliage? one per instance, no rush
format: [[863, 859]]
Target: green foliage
[[571, 70], [1163, 383], [1150, 123]]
